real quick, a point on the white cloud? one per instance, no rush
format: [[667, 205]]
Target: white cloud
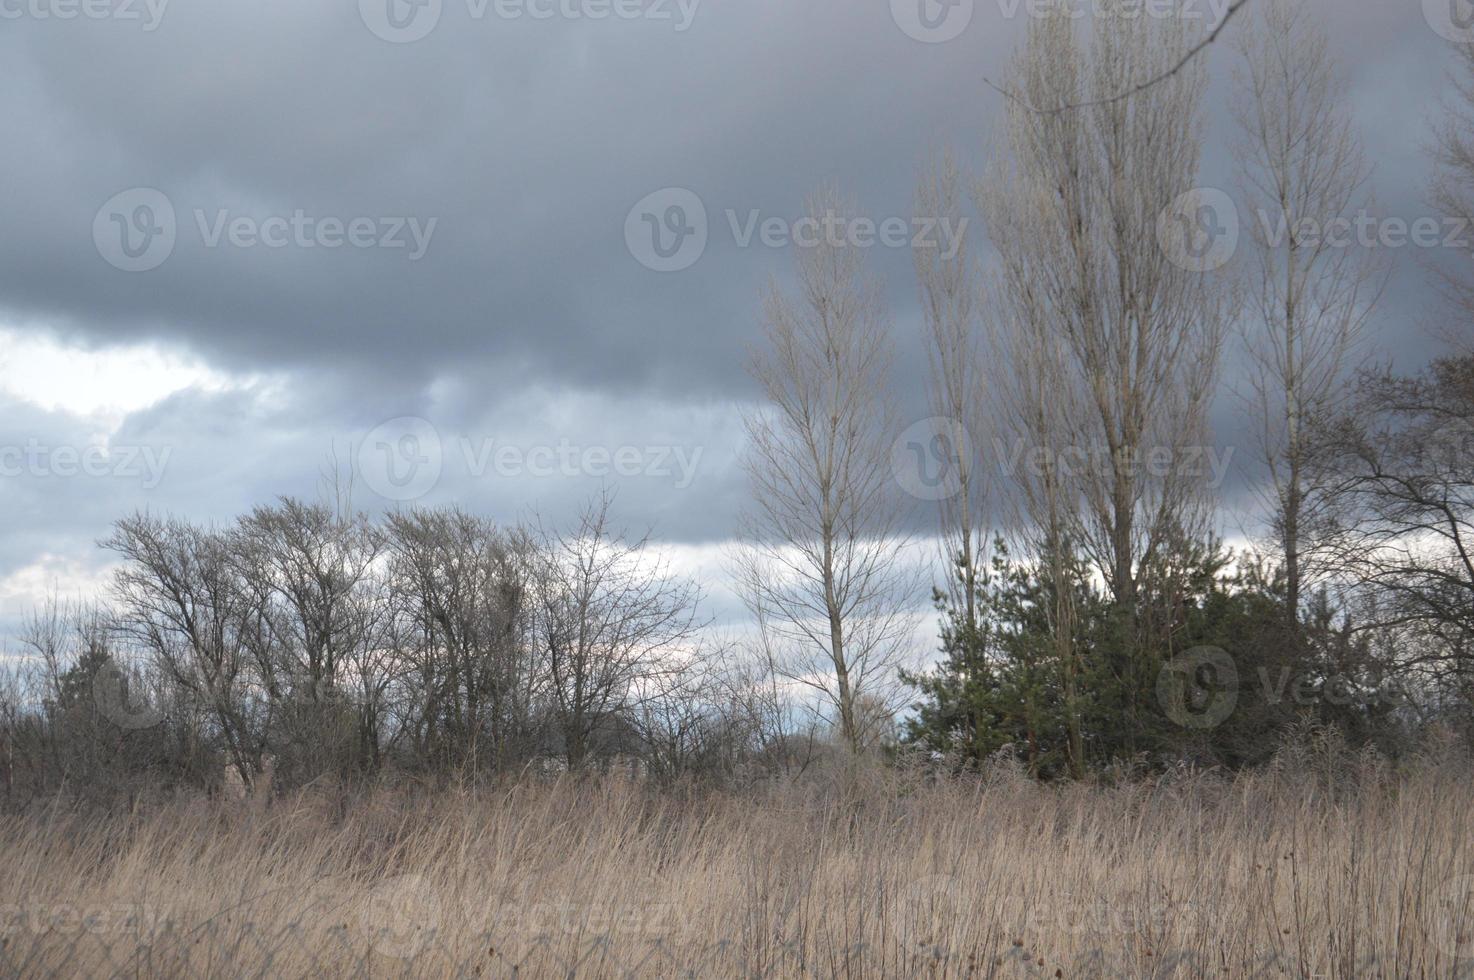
[[104, 384], [67, 577]]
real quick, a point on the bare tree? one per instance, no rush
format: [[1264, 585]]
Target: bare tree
[[679, 716], [1035, 396], [1453, 184], [610, 619], [1404, 460], [461, 586], [310, 568], [18, 733], [67, 645], [1303, 173], [1106, 348], [1032, 404], [949, 303], [764, 725], [822, 566], [1135, 336], [1166, 74], [180, 600]]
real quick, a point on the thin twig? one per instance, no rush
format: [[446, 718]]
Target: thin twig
[[1137, 90]]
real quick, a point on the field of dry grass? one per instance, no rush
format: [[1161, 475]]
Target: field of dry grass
[[1300, 873]]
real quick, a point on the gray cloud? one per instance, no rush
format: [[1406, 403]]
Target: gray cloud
[[527, 321]]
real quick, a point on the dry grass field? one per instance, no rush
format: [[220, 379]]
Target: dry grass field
[[1311, 871]]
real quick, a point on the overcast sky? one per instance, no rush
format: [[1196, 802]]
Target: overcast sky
[[245, 240]]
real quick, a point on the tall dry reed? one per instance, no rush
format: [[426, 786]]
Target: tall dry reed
[[1295, 872]]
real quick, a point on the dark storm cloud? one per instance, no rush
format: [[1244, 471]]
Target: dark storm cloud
[[527, 142], [527, 323]]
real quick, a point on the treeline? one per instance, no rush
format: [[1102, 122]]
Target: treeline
[[1108, 627], [1092, 620], [306, 640]]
